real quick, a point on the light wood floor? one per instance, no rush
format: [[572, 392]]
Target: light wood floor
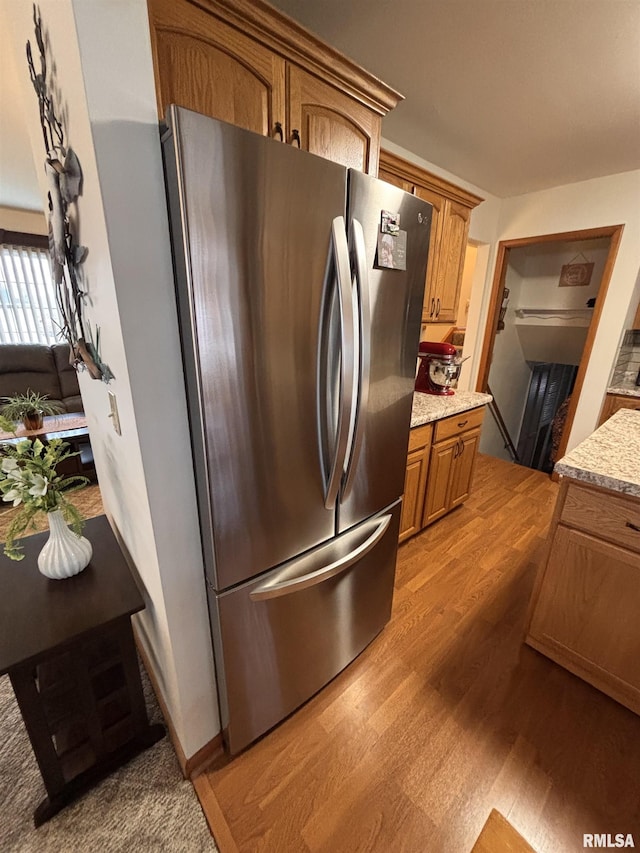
[[498, 836], [445, 716]]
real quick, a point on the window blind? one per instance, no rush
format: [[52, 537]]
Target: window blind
[[28, 309]]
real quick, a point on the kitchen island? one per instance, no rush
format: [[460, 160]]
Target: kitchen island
[[443, 444], [585, 604]]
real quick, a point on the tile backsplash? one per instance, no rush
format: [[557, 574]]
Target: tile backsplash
[[628, 363]]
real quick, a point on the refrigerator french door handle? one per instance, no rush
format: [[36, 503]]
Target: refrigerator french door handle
[[278, 585], [364, 306], [340, 250]]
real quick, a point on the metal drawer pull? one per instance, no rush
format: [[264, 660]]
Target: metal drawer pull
[[635, 527], [463, 423], [283, 583]]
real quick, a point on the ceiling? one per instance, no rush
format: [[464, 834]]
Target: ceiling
[[510, 95]]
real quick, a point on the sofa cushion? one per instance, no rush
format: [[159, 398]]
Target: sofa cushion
[[26, 367], [40, 368]]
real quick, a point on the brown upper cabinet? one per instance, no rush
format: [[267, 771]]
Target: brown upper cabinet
[[452, 208], [246, 63]]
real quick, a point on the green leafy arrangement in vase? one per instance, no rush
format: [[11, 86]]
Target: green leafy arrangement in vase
[[28, 479]]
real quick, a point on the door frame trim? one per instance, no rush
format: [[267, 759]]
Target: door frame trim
[[614, 232]]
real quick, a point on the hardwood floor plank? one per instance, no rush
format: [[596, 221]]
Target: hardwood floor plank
[[498, 836], [447, 714], [376, 816], [214, 814], [361, 698]]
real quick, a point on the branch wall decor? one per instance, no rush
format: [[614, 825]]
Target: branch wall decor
[[64, 178]]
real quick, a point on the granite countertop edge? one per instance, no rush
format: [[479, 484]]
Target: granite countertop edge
[[609, 457], [428, 408], [625, 390], [614, 484]]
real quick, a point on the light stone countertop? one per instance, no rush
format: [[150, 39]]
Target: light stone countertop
[[627, 390], [610, 457], [430, 407]]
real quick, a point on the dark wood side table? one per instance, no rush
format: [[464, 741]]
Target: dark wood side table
[[69, 650]]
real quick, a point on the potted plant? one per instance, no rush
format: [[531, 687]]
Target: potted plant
[[28, 408], [28, 480]]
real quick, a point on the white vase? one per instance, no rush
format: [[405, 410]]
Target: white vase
[[64, 554]]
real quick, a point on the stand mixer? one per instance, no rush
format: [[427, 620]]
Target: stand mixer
[[439, 368]]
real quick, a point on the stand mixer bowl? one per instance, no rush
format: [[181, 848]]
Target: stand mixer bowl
[[439, 368]]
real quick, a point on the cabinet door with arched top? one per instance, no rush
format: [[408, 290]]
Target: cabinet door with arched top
[[330, 123], [205, 65]]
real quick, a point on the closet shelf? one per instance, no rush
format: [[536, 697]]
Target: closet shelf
[[563, 313]]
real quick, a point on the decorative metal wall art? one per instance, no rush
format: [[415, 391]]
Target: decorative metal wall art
[[64, 176]]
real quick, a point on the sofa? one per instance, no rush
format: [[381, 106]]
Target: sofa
[[43, 369]]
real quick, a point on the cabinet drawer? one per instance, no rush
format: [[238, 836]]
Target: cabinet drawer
[[454, 425], [420, 437], [616, 519]]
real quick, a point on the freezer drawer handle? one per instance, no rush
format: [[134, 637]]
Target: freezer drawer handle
[[274, 587]]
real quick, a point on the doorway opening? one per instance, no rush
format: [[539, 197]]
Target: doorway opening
[[546, 302]]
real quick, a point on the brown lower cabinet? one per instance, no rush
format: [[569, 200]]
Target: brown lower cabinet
[[585, 605], [613, 402], [415, 481], [440, 466]]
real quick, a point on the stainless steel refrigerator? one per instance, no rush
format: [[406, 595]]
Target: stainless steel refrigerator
[[299, 286]]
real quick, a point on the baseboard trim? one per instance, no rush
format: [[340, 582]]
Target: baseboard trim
[[205, 754], [200, 760]]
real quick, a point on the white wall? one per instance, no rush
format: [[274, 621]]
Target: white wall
[[541, 266], [509, 376], [559, 338], [104, 72], [20, 189], [611, 200], [28, 221]]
